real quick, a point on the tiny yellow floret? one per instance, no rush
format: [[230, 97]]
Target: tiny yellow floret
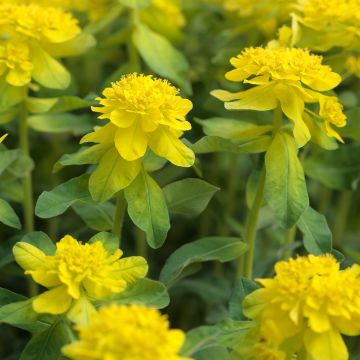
[[307, 306], [76, 275], [132, 332]]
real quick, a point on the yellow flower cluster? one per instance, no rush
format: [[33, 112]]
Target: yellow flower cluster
[[31, 38], [353, 65], [285, 77], [144, 112], [76, 275], [327, 24], [132, 333], [305, 308]]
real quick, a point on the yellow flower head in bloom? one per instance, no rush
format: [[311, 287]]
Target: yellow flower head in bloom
[[131, 332], [326, 24], [144, 112], [307, 306], [77, 274], [353, 65], [285, 77]]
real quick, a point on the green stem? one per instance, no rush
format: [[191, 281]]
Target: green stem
[[140, 241], [28, 201], [342, 217], [119, 215], [246, 269], [289, 240]]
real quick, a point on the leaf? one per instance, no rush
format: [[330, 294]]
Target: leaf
[[317, 234], [8, 215], [47, 71], [147, 208], [16, 162], [7, 297], [243, 287], [160, 55], [285, 187], [40, 240], [144, 291], [221, 249], [189, 196], [10, 95], [338, 169], [48, 344], [211, 144], [57, 201], [99, 217], [135, 4], [21, 315], [352, 128], [60, 123], [109, 240]]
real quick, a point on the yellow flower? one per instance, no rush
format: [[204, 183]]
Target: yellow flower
[[353, 65], [144, 112], [285, 77], [307, 306], [262, 351], [76, 275], [128, 333], [328, 24]]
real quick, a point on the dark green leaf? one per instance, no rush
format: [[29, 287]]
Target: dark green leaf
[[8, 215], [7, 297], [109, 240]]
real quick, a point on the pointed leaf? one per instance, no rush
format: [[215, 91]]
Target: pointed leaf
[[8, 215]]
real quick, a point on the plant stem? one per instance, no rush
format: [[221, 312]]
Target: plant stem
[[246, 268], [119, 215], [289, 240], [342, 217], [28, 201], [140, 241]]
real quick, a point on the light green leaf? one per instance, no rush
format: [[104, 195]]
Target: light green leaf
[[99, 217], [338, 169], [135, 4], [317, 234], [47, 344], [10, 95], [110, 241], [8, 216], [112, 175], [285, 187], [211, 144], [21, 315], [16, 162], [40, 240], [57, 201], [47, 71], [143, 291], [61, 123], [147, 208], [189, 196], [221, 249], [160, 55]]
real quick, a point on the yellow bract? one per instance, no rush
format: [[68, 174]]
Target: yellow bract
[[286, 77], [328, 24], [144, 112], [353, 65], [129, 333], [307, 306], [77, 274]]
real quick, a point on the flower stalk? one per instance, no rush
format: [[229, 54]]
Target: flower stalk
[[119, 215]]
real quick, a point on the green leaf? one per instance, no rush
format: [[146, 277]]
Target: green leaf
[[147, 208], [16, 162], [221, 249], [338, 169], [352, 128], [85, 155], [135, 4], [21, 315], [61, 123], [232, 128], [160, 55], [57, 201], [317, 234], [110, 241], [242, 288], [144, 291], [10, 95], [285, 187], [189, 196], [7, 297], [99, 217], [211, 144], [47, 344], [47, 71], [41, 241], [8, 215]]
